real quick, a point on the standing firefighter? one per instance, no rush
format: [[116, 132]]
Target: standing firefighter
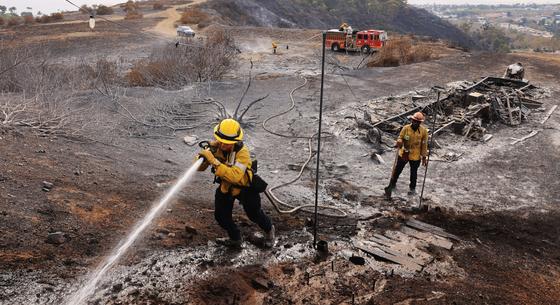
[[413, 148], [231, 164]]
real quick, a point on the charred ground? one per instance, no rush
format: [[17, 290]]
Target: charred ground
[[500, 200]]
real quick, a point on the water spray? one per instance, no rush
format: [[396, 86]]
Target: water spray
[[81, 295]]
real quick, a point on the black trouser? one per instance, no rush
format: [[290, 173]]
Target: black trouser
[[399, 168], [251, 202]]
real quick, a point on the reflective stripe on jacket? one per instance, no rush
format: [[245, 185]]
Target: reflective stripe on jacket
[[416, 142], [234, 171]]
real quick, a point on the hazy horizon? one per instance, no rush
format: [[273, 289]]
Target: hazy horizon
[[489, 2], [61, 5]]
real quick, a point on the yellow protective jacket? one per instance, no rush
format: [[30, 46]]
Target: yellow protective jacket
[[415, 142], [235, 171]]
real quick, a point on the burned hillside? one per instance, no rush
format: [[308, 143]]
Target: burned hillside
[[393, 16], [101, 200]]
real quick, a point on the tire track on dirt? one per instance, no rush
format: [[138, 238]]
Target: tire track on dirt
[[166, 27]]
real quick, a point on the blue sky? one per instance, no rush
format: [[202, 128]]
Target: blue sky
[[49, 6]]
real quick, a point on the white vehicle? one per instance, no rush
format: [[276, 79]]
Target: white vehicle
[[185, 31]]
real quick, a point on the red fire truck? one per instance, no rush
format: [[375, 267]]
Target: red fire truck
[[365, 41]]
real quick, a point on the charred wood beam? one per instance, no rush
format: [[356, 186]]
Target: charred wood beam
[[400, 115]]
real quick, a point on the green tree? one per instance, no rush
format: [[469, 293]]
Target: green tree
[[493, 39], [84, 9], [466, 27], [3, 9], [13, 10]]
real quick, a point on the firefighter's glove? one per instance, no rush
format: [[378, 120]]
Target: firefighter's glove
[[424, 161], [207, 154], [398, 144]]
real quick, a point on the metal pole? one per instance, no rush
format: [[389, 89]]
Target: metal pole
[[429, 152], [520, 104], [319, 142]]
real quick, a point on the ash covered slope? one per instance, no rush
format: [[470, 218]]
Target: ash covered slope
[[391, 15]]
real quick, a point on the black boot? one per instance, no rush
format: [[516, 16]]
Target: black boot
[[388, 191]]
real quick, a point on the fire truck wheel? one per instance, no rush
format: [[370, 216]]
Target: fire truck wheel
[[365, 49], [335, 47]]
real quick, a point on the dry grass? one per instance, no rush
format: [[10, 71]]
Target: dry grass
[[40, 95], [2, 21], [194, 16], [57, 16], [402, 51], [28, 20], [49, 18], [13, 21], [131, 15]]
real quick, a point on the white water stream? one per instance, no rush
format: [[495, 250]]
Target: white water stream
[[81, 295]]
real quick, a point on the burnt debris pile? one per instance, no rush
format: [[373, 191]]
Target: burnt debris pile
[[466, 109]]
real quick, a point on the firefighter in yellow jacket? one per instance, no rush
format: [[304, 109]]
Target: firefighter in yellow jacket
[[231, 164], [413, 149]]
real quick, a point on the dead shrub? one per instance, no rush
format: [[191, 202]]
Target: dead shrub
[[194, 16], [106, 72], [400, 51], [43, 19], [420, 53], [172, 67], [57, 16], [40, 95], [104, 10], [131, 15], [49, 18], [28, 20], [205, 23], [13, 21], [158, 6], [130, 6], [84, 9], [135, 77], [2, 22], [27, 68]]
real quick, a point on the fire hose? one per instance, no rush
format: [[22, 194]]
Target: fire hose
[[269, 192]]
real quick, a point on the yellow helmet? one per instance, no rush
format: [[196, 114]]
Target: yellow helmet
[[228, 131]]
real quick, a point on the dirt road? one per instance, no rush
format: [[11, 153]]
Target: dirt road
[[167, 27]]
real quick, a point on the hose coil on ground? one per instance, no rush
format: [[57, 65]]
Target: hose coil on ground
[[269, 192]]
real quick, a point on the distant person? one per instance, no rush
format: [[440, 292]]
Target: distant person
[[232, 166], [274, 47], [413, 149]]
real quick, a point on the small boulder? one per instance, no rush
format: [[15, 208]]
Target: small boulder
[[56, 238], [191, 230], [117, 287], [261, 283], [190, 140]]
